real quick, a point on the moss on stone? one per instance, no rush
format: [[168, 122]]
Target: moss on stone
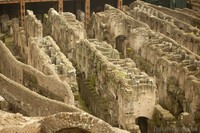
[[92, 81], [83, 104]]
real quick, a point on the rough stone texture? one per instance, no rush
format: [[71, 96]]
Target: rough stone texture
[[56, 122], [181, 16], [16, 123], [112, 23], [45, 56], [83, 57], [163, 121], [196, 6], [38, 51], [32, 28], [176, 68], [43, 53], [129, 93], [183, 33], [4, 105], [28, 102], [33, 79], [111, 84], [65, 30]]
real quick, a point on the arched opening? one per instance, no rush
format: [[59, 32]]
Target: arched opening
[[72, 130], [142, 122], [120, 45]]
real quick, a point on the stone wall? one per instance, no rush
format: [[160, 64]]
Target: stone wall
[[129, 93], [112, 23], [180, 15], [28, 102], [183, 33], [65, 30], [76, 122], [83, 121], [33, 79], [45, 56], [196, 6], [32, 28], [176, 68], [163, 121]]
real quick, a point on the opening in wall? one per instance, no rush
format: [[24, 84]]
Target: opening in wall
[[142, 122], [72, 130]]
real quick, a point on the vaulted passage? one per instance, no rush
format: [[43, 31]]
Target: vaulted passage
[[143, 124], [121, 44]]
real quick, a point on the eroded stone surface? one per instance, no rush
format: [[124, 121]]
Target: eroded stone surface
[[110, 74]]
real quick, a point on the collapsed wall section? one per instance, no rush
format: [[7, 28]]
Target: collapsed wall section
[[176, 68], [59, 122], [110, 24], [32, 28], [182, 33], [129, 93], [45, 56], [28, 102], [181, 15], [28, 76], [65, 30]]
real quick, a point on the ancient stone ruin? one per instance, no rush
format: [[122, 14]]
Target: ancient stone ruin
[[133, 69]]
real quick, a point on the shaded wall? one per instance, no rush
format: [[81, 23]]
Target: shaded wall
[[33, 79]]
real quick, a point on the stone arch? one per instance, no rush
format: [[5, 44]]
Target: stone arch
[[72, 130], [120, 44], [142, 122], [80, 121]]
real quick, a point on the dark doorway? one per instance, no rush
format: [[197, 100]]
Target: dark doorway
[[119, 42], [72, 130], [120, 45], [143, 124]]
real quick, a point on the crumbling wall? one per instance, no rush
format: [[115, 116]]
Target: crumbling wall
[[176, 68], [45, 56], [79, 120], [180, 15], [33, 79], [65, 121], [110, 24], [32, 28], [129, 93], [29, 102], [65, 30], [186, 35], [163, 121], [196, 6]]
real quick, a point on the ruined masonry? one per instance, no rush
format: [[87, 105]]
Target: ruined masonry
[[134, 69]]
